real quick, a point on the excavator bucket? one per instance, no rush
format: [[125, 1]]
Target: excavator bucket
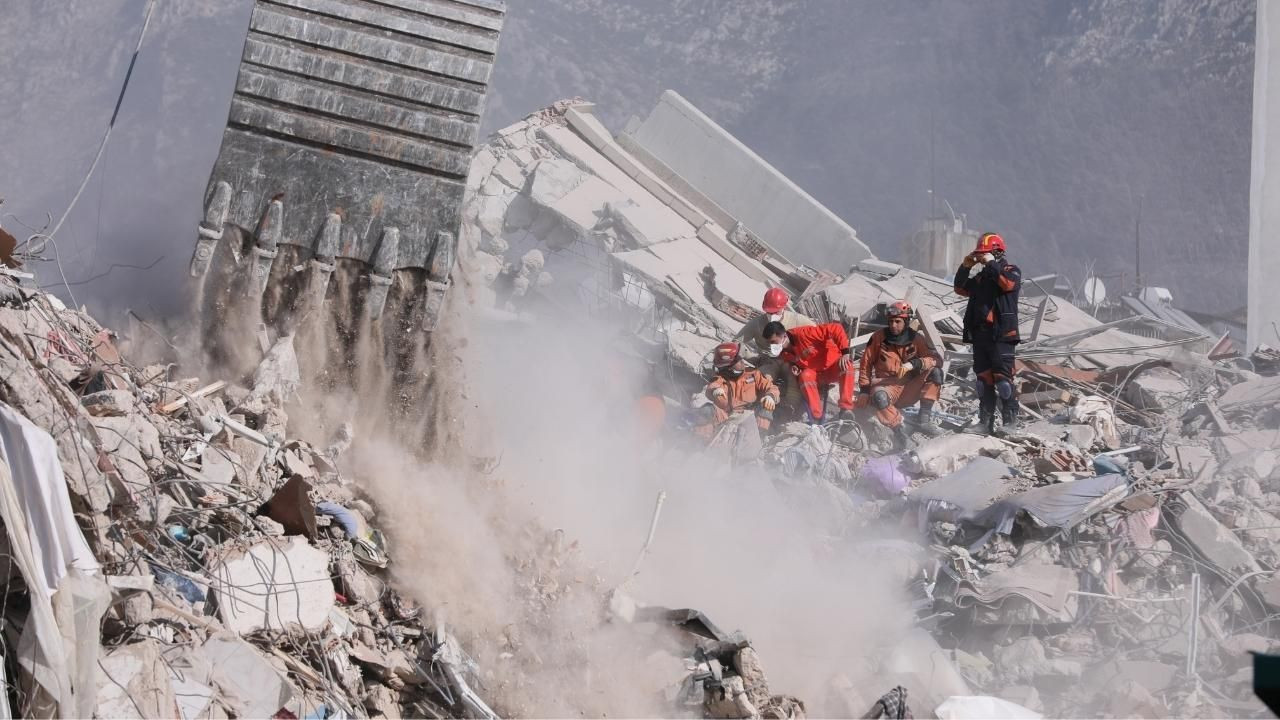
[[334, 205]]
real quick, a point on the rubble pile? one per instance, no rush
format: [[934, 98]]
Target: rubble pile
[[234, 571], [176, 551], [1113, 556]]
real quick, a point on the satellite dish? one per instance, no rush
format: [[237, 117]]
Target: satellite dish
[[1094, 291]]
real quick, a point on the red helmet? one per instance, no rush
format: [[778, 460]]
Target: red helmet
[[989, 243], [726, 354], [899, 309], [775, 299]]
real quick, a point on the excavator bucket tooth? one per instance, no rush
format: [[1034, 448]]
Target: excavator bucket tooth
[[334, 204], [209, 232]]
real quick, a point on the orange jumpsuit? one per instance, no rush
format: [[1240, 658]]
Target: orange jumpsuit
[[879, 372], [815, 354], [740, 393]]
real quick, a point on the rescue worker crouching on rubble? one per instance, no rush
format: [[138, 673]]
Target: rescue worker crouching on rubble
[[899, 368], [992, 285], [735, 389], [775, 309], [818, 355]]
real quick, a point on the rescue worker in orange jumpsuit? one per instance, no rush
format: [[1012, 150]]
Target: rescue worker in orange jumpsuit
[[818, 355], [898, 369], [992, 285], [751, 335], [735, 389]]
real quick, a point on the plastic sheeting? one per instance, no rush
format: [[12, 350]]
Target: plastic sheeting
[[1055, 506], [965, 493], [41, 493], [886, 473], [58, 650]]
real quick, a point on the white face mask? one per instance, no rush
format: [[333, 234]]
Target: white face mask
[[775, 317], [775, 349]]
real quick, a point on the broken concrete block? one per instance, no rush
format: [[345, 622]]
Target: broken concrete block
[[380, 702], [510, 173], [358, 586], [482, 164], [273, 585], [494, 186], [640, 226], [251, 685], [134, 445], [1082, 436], [109, 403], [1214, 540], [133, 682], [1158, 389], [492, 213], [1192, 459], [1246, 441], [277, 377], [218, 466], [552, 179]]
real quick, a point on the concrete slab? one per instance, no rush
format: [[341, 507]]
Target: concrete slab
[[744, 184], [273, 585], [1213, 539]]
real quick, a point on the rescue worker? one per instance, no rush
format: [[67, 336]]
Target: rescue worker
[[899, 368], [992, 285], [752, 334], [735, 389], [775, 310], [818, 355]]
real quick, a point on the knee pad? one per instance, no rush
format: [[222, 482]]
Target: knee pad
[[980, 386], [1004, 389], [880, 399], [934, 376]]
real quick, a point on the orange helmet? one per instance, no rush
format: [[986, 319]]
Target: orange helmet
[[899, 309], [775, 299], [726, 354], [990, 243]]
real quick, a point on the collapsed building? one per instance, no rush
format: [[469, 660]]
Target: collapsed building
[[1113, 557], [176, 549]]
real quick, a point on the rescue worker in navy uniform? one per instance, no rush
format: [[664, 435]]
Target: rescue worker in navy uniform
[[992, 285]]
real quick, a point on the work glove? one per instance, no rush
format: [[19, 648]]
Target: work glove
[[720, 399], [909, 367], [768, 403], [987, 257], [969, 261]]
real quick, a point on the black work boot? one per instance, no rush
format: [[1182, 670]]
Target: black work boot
[[987, 411], [926, 424], [1009, 414]]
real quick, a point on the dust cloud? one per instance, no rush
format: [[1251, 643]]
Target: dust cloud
[[536, 499]]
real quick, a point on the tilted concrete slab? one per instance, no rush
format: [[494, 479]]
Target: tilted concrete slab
[[745, 185]]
